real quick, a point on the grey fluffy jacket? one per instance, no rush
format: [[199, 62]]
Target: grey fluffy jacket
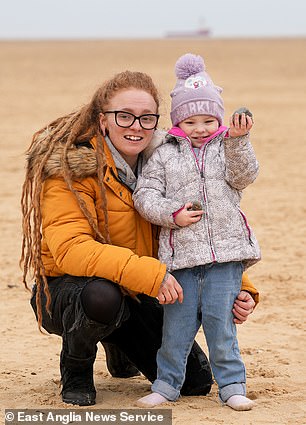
[[174, 175]]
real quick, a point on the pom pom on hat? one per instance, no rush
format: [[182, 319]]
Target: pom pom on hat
[[188, 65], [194, 92]]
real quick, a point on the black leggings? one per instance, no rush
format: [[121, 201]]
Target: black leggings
[[101, 302], [85, 311]]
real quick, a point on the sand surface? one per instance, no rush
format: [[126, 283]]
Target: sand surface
[[39, 81]]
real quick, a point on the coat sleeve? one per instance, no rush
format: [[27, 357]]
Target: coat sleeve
[[71, 241], [150, 194], [240, 161]]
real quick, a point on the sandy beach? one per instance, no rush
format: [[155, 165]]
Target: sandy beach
[[40, 81]]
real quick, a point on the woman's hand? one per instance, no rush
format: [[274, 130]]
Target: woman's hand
[[243, 306], [187, 216], [170, 291]]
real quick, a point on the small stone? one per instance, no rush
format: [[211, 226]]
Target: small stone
[[196, 206], [243, 110]]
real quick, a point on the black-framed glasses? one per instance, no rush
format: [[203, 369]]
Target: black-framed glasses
[[126, 119]]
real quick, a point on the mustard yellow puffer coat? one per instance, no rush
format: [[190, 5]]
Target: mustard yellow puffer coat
[[68, 242]]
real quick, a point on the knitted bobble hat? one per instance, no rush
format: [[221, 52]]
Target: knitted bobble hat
[[194, 92]]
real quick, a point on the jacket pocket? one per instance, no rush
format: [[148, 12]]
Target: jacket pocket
[[171, 242], [246, 226], [171, 245]]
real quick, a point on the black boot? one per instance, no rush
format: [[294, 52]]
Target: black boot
[[78, 384], [118, 364]]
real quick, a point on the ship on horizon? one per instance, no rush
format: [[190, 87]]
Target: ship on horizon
[[201, 32]]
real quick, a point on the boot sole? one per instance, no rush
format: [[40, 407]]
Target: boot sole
[[79, 402]]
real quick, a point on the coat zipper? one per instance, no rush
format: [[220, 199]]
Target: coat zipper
[[212, 250], [204, 193], [171, 234]]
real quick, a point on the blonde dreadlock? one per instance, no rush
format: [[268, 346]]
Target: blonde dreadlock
[[67, 132]]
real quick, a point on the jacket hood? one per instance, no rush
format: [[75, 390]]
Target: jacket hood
[[82, 158]]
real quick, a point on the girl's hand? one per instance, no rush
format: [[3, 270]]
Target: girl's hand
[[240, 124], [170, 291], [186, 216]]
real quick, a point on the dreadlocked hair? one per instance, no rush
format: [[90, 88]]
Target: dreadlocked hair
[[63, 135]]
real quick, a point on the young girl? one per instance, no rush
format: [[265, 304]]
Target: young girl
[[191, 186]]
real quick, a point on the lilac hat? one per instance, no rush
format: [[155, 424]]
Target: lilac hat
[[194, 92]]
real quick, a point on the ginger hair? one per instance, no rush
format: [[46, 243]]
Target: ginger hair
[[67, 131]]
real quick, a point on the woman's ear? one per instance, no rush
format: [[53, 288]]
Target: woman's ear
[[102, 120]]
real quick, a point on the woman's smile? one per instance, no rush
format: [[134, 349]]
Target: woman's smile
[[133, 138]]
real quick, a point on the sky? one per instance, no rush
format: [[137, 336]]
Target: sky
[[96, 19]]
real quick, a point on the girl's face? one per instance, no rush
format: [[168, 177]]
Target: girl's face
[[132, 140], [198, 128]]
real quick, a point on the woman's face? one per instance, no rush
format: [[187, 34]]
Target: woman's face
[[133, 140]]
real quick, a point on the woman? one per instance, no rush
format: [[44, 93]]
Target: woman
[[90, 252]]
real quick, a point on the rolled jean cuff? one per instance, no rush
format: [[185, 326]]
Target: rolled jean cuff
[[233, 389], [165, 390]]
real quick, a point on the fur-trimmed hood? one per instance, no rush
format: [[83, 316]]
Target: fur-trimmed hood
[[82, 158], [82, 161]]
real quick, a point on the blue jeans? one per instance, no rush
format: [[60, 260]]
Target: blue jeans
[[209, 295]]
